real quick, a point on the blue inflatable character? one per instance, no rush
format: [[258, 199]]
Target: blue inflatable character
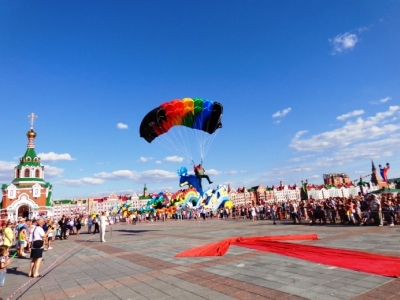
[[191, 180]]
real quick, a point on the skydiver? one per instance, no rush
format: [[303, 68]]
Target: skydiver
[[199, 172]]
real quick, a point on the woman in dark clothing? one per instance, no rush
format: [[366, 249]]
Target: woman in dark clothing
[[78, 225], [63, 226]]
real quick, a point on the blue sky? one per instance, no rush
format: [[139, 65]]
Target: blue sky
[[308, 87]]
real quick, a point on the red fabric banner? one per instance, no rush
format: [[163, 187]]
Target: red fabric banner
[[354, 260]]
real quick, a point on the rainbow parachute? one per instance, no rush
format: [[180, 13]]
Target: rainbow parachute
[[195, 113]]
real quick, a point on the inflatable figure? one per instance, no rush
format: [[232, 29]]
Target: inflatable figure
[[212, 199], [190, 180]]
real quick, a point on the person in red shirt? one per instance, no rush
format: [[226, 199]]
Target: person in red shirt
[[199, 172]]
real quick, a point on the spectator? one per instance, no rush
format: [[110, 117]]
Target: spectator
[[37, 238]]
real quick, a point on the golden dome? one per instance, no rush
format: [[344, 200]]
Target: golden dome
[[31, 134]]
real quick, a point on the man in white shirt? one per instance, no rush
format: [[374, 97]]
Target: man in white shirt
[[103, 223], [376, 210], [293, 211]]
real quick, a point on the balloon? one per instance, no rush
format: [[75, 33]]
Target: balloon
[[228, 204]]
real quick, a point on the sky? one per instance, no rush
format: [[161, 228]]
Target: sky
[[307, 87]]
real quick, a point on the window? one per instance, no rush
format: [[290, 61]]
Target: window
[[37, 173], [27, 173], [18, 173]]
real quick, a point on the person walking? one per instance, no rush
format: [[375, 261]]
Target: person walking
[[293, 207], [103, 223], [78, 225], [274, 210], [253, 213], [90, 224], [96, 224]]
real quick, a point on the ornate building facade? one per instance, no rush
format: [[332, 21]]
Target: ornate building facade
[[28, 195], [257, 195], [336, 178]]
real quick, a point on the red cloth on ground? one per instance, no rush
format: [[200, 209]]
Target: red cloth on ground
[[354, 260], [220, 248]]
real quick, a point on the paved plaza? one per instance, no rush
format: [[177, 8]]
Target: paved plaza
[[137, 262]]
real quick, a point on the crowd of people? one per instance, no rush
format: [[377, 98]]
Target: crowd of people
[[360, 210], [35, 236], [369, 210], [32, 237]]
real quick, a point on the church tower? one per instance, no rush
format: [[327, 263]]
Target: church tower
[[376, 177], [145, 192], [28, 195]]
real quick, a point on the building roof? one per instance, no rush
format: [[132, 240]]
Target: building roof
[[30, 158]]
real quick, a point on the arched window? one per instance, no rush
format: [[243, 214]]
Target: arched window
[[28, 159], [37, 173], [18, 173], [35, 159], [27, 173]]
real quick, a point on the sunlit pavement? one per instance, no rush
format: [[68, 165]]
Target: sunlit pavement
[[137, 262]]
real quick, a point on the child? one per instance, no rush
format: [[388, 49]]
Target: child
[[22, 241], [4, 262], [50, 231]]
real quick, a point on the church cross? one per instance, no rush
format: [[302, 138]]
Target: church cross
[[32, 116]]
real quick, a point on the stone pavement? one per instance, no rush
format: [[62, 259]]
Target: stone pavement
[[137, 262]]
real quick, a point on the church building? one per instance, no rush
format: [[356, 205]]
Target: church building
[[28, 195]]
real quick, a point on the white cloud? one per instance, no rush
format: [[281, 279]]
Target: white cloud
[[301, 158], [360, 172], [173, 159], [52, 172], [362, 151], [122, 126], [350, 133], [212, 172], [51, 156], [144, 177], [7, 170], [280, 114], [343, 42], [158, 162], [277, 121], [315, 176], [81, 182], [384, 100], [157, 176], [145, 159], [231, 172], [120, 174], [299, 134], [350, 114]]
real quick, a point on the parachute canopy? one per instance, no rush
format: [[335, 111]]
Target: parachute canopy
[[195, 113]]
